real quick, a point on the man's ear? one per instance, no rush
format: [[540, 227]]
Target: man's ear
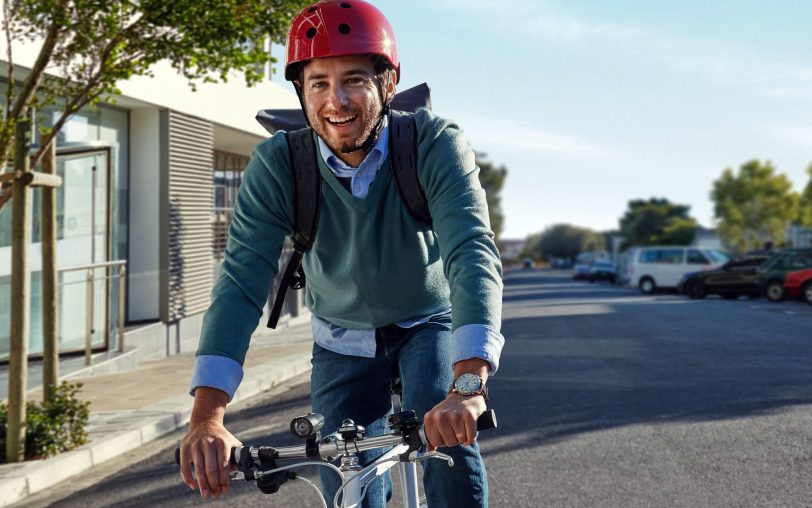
[[390, 85]]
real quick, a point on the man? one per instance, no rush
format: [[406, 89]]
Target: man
[[383, 287]]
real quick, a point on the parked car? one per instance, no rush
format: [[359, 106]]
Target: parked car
[[799, 284], [772, 272], [602, 270], [581, 271], [731, 280], [527, 263], [651, 268]]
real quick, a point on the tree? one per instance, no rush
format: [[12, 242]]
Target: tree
[[754, 205], [93, 45], [562, 241], [805, 203], [492, 180], [657, 221]]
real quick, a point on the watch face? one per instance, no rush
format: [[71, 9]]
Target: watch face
[[467, 383]]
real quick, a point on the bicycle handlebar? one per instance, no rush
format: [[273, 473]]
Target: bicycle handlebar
[[329, 449]]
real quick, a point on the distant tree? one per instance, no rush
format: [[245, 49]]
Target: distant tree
[[562, 241], [805, 203], [754, 205], [657, 221], [492, 180], [95, 44]]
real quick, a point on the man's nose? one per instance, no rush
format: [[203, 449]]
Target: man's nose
[[338, 96]]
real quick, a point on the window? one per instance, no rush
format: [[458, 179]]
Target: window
[[228, 170], [695, 257], [667, 256]]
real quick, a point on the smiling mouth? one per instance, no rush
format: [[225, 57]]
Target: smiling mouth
[[341, 121]]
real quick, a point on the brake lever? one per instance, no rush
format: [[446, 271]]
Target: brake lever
[[419, 457]]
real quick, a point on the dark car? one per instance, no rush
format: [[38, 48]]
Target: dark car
[[602, 270], [772, 272], [731, 280]]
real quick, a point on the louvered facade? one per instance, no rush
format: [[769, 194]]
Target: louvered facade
[[186, 261]]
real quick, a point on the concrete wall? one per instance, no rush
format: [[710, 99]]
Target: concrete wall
[[145, 206]]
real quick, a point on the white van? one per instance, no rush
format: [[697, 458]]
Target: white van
[[650, 268]]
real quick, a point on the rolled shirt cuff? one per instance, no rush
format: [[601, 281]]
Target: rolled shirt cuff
[[218, 372], [477, 341]]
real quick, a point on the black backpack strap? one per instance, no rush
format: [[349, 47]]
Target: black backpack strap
[[306, 203], [403, 153]]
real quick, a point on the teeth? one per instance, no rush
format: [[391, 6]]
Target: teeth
[[341, 119]]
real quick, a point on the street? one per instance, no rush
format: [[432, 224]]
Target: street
[[605, 397]]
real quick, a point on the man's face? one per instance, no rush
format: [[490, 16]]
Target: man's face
[[342, 102]]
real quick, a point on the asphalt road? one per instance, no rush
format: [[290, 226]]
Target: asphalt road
[[605, 397]]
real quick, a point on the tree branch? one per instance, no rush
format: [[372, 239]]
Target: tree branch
[[31, 83]]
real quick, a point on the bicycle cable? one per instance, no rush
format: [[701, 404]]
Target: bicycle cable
[[309, 463]]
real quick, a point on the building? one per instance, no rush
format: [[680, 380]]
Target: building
[[148, 182]]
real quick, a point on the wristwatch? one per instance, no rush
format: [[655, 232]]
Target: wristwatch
[[469, 384]]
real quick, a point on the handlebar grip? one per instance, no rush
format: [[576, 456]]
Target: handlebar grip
[[231, 459], [486, 420]]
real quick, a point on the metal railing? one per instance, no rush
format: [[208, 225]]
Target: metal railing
[[90, 296]]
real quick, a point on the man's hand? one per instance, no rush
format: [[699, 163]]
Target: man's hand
[[453, 421], [207, 444]]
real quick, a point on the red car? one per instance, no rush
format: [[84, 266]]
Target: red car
[[799, 284]]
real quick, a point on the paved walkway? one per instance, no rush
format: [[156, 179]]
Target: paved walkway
[[131, 408]]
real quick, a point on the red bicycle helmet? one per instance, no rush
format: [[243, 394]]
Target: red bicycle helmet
[[338, 28]]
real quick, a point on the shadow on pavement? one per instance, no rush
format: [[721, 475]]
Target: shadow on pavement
[[638, 363]]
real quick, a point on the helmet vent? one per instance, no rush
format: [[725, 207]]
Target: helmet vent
[[313, 9], [345, 5], [344, 28], [311, 32]]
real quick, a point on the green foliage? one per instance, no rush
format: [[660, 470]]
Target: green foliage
[[805, 202], [562, 241], [657, 221], [492, 180], [53, 426], [753, 206], [93, 45]]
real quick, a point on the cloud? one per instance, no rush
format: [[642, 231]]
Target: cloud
[[793, 136], [713, 60], [525, 136]]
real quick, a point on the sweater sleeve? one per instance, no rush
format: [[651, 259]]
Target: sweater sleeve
[[459, 211], [261, 220]]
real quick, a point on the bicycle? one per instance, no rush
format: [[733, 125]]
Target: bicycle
[[260, 463]]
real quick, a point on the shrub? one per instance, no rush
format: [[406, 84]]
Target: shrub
[[52, 427]]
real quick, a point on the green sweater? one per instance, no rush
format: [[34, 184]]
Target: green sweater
[[371, 264]]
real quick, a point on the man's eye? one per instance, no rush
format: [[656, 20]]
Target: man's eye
[[318, 84], [356, 81]]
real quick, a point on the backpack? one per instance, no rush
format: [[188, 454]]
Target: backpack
[[307, 193]]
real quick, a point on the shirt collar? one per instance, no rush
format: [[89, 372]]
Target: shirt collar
[[375, 156]]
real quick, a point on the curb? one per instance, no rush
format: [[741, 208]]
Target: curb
[[125, 431]]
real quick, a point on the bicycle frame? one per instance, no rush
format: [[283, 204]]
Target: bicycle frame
[[356, 482]]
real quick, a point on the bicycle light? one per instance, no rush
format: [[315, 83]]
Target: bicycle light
[[306, 426]]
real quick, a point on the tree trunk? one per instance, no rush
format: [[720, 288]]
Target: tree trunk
[[20, 299]]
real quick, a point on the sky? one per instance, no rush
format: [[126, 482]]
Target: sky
[[590, 104]]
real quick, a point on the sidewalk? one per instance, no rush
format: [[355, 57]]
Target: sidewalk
[[131, 408]]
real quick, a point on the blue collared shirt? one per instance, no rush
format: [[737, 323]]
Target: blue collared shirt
[[469, 341]]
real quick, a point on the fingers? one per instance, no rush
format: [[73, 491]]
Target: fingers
[[452, 422], [199, 458], [223, 453], [213, 469], [186, 467]]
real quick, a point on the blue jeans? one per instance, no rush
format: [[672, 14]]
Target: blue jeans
[[358, 388]]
